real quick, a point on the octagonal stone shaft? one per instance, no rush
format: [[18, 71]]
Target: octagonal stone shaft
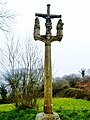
[[47, 81]]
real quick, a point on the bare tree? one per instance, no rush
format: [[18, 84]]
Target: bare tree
[[9, 64], [23, 71], [6, 18], [33, 77]]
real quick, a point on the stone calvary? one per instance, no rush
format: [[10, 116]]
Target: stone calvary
[[48, 38]]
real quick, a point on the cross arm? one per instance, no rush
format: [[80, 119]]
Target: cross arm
[[45, 15], [41, 15], [55, 16]]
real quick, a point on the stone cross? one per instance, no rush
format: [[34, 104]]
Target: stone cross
[[47, 39]]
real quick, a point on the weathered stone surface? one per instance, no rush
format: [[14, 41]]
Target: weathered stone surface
[[43, 116], [47, 39]]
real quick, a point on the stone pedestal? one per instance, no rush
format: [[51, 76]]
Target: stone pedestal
[[43, 116]]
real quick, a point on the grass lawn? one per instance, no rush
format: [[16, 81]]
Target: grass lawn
[[67, 108]]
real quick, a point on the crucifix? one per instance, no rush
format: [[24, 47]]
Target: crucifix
[[47, 39]]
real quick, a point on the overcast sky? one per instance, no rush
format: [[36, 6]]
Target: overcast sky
[[73, 52]]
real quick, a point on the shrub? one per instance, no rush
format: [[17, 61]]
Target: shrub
[[3, 93]]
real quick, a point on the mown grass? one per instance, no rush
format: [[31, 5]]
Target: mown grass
[[67, 104], [67, 108], [7, 107]]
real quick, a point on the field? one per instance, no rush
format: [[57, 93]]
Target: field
[[67, 108]]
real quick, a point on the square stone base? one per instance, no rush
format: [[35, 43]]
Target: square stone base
[[43, 116]]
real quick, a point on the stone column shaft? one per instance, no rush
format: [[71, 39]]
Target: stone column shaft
[[47, 81]]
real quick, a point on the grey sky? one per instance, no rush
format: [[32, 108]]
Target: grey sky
[[73, 52]]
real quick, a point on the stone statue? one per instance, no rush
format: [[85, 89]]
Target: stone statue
[[59, 28], [48, 25], [37, 27]]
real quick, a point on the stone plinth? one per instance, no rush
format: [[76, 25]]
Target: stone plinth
[[43, 116]]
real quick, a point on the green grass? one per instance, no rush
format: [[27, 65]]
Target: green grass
[[67, 104], [7, 107], [67, 108], [71, 104]]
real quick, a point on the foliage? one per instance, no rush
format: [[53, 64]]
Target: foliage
[[24, 74], [72, 79], [23, 92], [3, 93], [84, 87], [58, 87], [72, 86], [18, 114]]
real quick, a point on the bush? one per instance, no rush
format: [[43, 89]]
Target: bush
[[3, 93]]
